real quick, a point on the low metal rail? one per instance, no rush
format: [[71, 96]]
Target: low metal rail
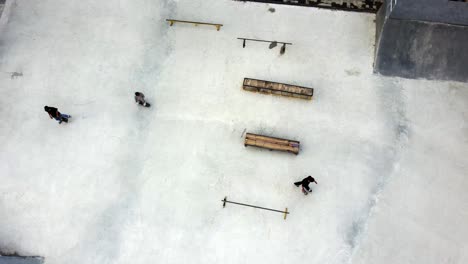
[[285, 212], [173, 21]]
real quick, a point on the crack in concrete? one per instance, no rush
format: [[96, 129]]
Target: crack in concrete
[[393, 103]]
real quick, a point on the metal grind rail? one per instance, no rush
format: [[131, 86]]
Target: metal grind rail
[[273, 43], [262, 40], [196, 23], [285, 212]]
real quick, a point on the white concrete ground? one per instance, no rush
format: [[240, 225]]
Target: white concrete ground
[[125, 184]]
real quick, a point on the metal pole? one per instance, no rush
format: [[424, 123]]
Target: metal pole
[[261, 40], [254, 206]]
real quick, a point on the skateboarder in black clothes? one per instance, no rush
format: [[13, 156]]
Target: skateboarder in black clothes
[[55, 114], [140, 99], [305, 184]]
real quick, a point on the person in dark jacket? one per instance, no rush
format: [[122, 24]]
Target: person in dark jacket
[[55, 114], [305, 184], [140, 99]]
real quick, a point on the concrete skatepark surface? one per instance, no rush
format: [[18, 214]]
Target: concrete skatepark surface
[[126, 184]]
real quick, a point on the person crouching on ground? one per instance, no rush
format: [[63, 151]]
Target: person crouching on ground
[[55, 114], [305, 184], [140, 99]]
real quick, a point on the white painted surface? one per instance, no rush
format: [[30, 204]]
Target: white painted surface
[[125, 184]]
